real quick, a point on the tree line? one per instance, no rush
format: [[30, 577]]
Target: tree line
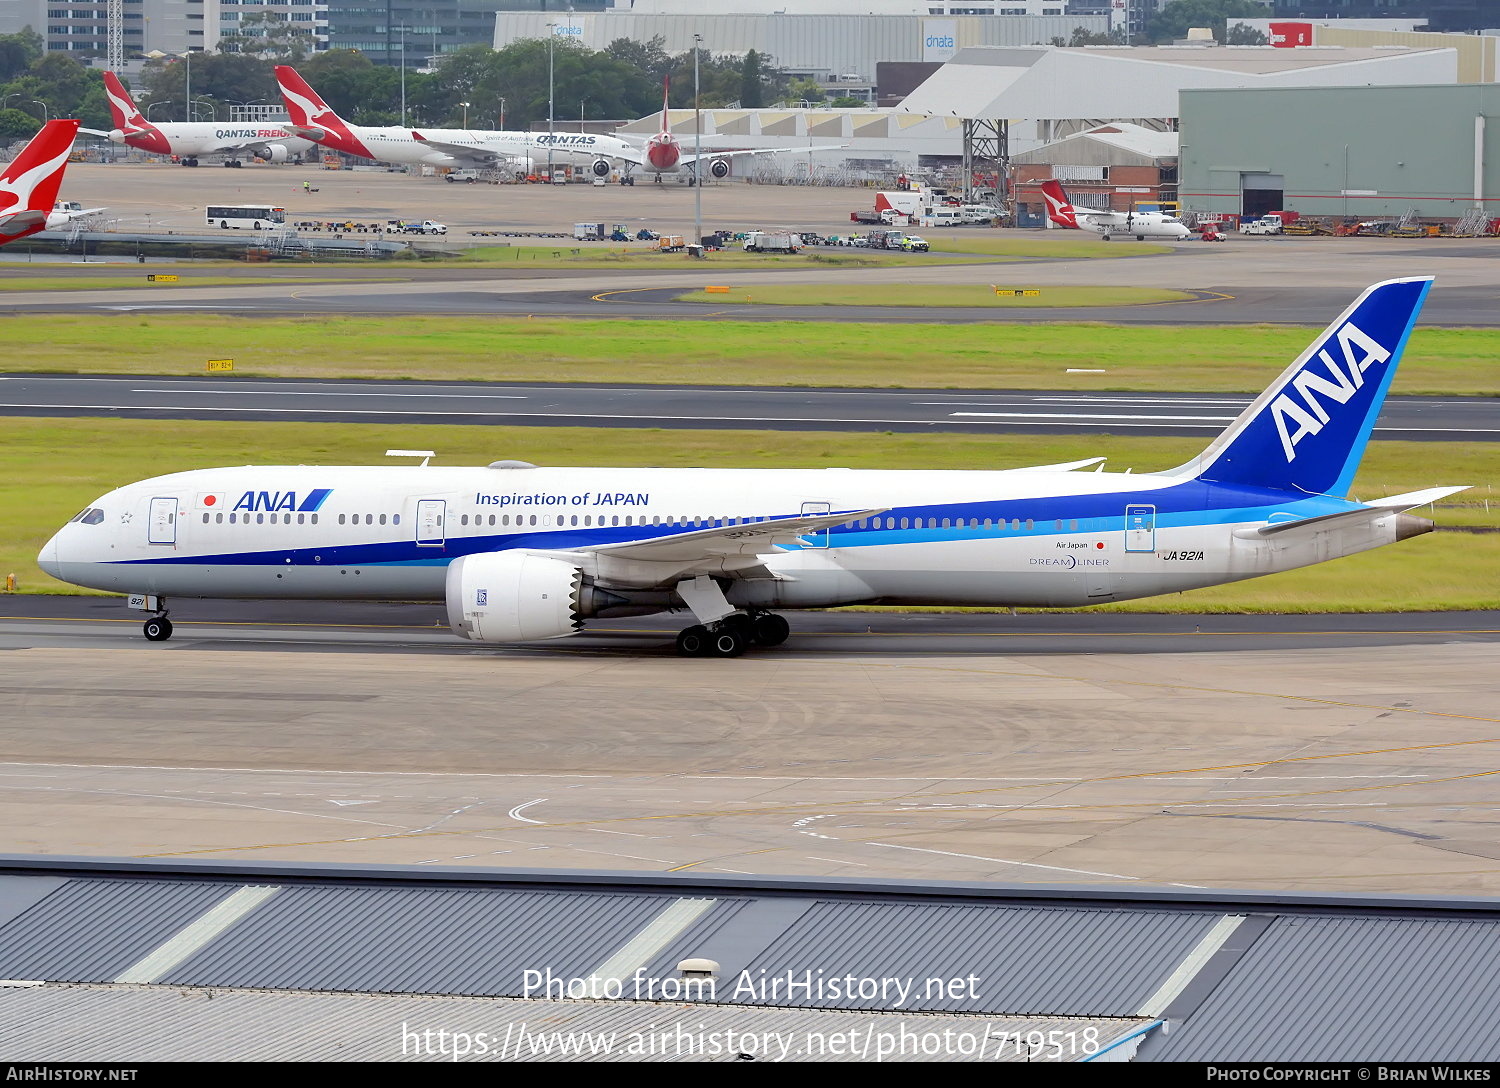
[[474, 83]]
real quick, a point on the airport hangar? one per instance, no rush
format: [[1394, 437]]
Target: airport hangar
[[1013, 100], [124, 960], [1365, 152]]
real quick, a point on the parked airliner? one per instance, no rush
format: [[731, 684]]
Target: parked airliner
[[189, 139], [520, 552], [1106, 223], [29, 184], [457, 147]]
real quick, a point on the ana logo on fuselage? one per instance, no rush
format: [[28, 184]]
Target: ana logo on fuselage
[[1306, 410], [282, 500]]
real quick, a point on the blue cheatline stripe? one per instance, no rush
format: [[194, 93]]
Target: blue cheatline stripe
[[1183, 505], [315, 499]]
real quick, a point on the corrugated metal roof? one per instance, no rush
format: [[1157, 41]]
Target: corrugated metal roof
[[1351, 989], [1029, 961], [1067, 84], [91, 930], [419, 940], [153, 1023]]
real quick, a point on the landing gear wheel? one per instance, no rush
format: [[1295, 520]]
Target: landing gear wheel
[[158, 629], [727, 641], [693, 641], [770, 629]]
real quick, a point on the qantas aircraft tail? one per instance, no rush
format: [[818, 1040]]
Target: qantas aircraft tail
[[666, 91], [122, 108], [313, 118], [30, 181], [1059, 208]]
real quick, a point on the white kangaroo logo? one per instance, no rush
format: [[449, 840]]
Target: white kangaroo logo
[[310, 111], [132, 116], [17, 191]]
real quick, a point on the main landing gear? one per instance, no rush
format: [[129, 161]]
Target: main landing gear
[[733, 635]]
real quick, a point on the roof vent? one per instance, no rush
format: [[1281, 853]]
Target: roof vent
[[511, 464], [698, 968]]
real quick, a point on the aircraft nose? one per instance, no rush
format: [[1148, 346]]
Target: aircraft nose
[[47, 557]]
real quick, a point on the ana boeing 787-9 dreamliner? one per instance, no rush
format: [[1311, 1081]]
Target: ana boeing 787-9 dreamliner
[[520, 552]]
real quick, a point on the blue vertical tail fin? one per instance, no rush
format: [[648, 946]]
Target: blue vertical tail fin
[[1308, 430]]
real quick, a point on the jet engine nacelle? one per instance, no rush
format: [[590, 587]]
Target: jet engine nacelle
[[273, 153], [719, 168], [601, 168], [514, 596]]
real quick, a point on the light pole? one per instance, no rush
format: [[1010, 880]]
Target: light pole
[[502, 112], [551, 41], [153, 105], [46, 114], [465, 105], [403, 75], [697, 149], [581, 101], [187, 90]]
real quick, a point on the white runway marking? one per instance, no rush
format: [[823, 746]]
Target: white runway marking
[[515, 813], [303, 393]]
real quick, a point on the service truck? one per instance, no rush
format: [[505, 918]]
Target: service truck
[[764, 241]]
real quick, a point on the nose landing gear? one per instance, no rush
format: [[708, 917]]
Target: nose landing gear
[[158, 628]]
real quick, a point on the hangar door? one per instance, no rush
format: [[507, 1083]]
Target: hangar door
[[1260, 193]]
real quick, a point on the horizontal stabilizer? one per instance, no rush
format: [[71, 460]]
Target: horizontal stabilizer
[[1413, 499], [1371, 511], [1066, 466]]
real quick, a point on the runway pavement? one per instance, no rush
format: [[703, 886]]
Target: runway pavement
[[1342, 753], [1418, 418]]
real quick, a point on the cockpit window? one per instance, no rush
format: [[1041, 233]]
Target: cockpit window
[[91, 516]]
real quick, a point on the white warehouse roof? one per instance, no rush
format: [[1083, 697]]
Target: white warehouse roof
[[1146, 145], [1044, 83]]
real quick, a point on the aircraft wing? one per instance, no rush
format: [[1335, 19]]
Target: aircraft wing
[[82, 213], [725, 550], [472, 152], [688, 160], [1110, 218], [748, 538]]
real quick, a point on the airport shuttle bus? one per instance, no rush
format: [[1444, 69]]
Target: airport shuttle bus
[[248, 216], [519, 552]]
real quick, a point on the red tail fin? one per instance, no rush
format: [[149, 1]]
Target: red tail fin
[[29, 182], [666, 90], [308, 111], [1059, 208], [122, 108]]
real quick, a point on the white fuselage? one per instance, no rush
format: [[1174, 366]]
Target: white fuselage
[[1134, 225], [188, 139], [397, 145], [1021, 537]]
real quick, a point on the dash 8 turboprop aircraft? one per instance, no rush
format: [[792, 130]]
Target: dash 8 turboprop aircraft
[[1106, 224], [521, 553]]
